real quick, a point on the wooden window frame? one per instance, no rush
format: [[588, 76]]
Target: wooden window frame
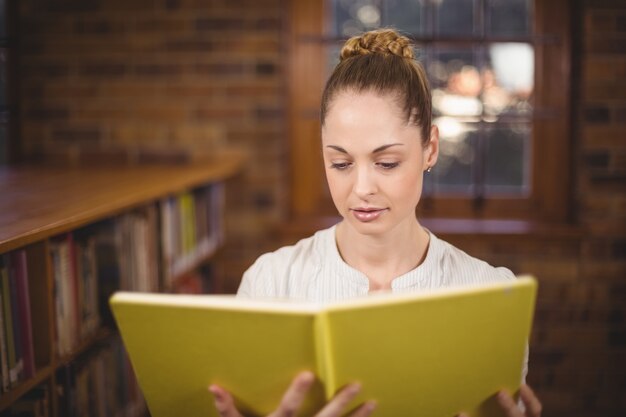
[[551, 146]]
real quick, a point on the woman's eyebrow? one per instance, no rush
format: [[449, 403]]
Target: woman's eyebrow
[[337, 148], [377, 150], [385, 147]]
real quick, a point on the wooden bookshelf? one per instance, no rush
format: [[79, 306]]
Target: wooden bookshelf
[[40, 204]]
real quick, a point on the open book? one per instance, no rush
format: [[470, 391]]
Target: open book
[[423, 354]]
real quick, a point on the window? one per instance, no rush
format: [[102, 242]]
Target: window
[[493, 65]]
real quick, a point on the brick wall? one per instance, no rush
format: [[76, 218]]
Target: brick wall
[[131, 79], [133, 76], [600, 137]]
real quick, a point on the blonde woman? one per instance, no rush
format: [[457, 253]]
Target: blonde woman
[[378, 143]]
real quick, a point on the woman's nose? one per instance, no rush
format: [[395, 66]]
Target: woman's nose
[[365, 184]]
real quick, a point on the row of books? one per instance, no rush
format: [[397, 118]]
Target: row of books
[[35, 403], [142, 250], [101, 384], [76, 290], [17, 361], [90, 264], [191, 228]]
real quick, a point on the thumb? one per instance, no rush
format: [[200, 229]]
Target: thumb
[[224, 403]]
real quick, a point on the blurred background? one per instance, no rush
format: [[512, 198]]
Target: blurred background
[[529, 97]]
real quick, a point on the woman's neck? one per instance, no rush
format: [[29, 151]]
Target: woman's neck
[[383, 257]]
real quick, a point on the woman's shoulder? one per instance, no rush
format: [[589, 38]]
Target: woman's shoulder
[[466, 269], [270, 274]]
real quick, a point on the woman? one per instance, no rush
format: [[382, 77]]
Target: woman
[[377, 143]]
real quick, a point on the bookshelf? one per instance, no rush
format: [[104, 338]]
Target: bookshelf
[[81, 233]]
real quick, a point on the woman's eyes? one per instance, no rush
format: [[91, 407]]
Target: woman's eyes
[[388, 165], [340, 165], [345, 165]]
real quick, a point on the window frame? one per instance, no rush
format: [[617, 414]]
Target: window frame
[[550, 177]]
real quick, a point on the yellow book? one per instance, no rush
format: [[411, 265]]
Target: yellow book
[[425, 354]]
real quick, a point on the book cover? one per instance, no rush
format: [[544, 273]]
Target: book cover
[[434, 354]]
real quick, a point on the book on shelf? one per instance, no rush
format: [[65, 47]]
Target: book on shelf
[[432, 353], [136, 244], [19, 272], [98, 384], [17, 359], [191, 229], [65, 294]]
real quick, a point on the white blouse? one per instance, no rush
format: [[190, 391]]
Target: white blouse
[[313, 270]]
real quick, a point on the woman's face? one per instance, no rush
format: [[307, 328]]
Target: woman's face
[[374, 161]]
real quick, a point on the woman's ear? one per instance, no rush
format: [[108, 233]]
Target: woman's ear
[[431, 150]]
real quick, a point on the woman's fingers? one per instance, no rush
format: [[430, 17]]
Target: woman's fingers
[[224, 402], [365, 409], [336, 406], [532, 403], [295, 395], [508, 404]]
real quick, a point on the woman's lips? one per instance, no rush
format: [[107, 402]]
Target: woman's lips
[[367, 215]]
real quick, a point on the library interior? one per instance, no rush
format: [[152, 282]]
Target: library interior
[[162, 146]]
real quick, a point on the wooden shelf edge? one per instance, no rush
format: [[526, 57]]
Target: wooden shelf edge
[[180, 177], [8, 398]]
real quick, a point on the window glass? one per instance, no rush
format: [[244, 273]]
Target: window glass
[[351, 17], [405, 15], [454, 172], [507, 156], [482, 88], [455, 17], [508, 17], [508, 79], [455, 82]]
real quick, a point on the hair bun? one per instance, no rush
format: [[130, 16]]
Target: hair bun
[[381, 41]]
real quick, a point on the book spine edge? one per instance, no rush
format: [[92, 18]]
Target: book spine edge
[[323, 355]]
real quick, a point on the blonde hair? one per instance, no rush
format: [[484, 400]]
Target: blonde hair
[[382, 61]]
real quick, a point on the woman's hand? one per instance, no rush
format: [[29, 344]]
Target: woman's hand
[[509, 405], [293, 398]]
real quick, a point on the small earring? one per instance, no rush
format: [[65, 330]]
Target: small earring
[[429, 169]]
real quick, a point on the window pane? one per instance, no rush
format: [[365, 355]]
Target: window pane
[[507, 161], [3, 77], [455, 17], [454, 170], [508, 17], [508, 79], [455, 82], [351, 17], [405, 15]]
